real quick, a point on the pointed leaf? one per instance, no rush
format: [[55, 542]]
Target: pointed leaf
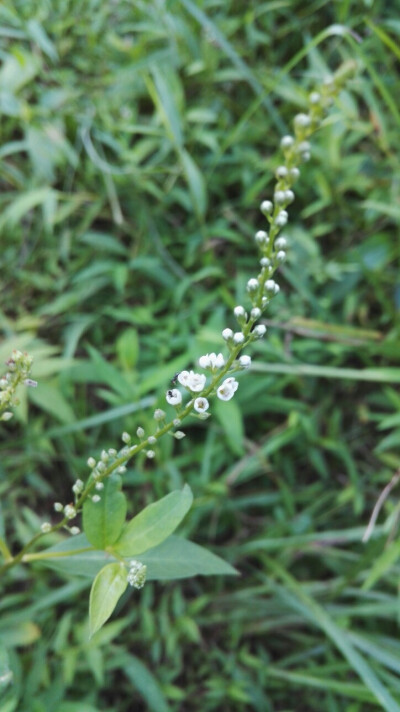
[[108, 587], [103, 521], [154, 524], [178, 558]]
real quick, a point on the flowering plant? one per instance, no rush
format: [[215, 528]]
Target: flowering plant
[[115, 552]]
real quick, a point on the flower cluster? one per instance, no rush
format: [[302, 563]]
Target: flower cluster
[[19, 366], [137, 574]]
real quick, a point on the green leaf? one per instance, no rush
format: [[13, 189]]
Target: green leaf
[[154, 524], [108, 587], [178, 558], [174, 558], [103, 521]]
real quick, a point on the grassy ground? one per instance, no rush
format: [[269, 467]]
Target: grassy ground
[[137, 141]]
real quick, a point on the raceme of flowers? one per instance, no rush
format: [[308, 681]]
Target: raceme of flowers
[[219, 382]]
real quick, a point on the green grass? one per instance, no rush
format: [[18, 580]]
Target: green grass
[[137, 141]]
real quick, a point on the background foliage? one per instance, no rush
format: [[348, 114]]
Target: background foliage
[[137, 141]]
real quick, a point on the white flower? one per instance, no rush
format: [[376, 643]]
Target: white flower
[[281, 256], [159, 414], [270, 285], [201, 405], [255, 313], [252, 285], [126, 438], [227, 334], [245, 361], [150, 454], [287, 141], [281, 172], [74, 531], [238, 338], [212, 361], [281, 243], [227, 389], [70, 511], [174, 397], [140, 432], [91, 462], [239, 312], [77, 487], [151, 440], [58, 506], [193, 381], [45, 527], [266, 207], [96, 498], [259, 331], [261, 237], [136, 576], [281, 218]]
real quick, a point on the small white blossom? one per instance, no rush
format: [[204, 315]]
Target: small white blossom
[[112, 452], [151, 440], [125, 437], [255, 313], [252, 285], [287, 141], [179, 434], [96, 498], [281, 243], [259, 330], [245, 361], [101, 467], [45, 527], [227, 334], [315, 97], [281, 218], [104, 456], [58, 507], [281, 172], [159, 414], [176, 422], [212, 361], [302, 121], [140, 432], [121, 469], [136, 576], [75, 530], [150, 454], [239, 312], [280, 197], [270, 285], [70, 511], [261, 237], [91, 462], [193, 381], [201, 405], [294, 173], [227, 389], [266, 207], [174, 397], [99, 486], [6, 416], [281, 256], [238, 338], [77, 487]]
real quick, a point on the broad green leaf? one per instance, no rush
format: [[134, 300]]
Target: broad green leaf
[[174, 558], [178, 558], [154, 524], [108, 587], [103, 521]]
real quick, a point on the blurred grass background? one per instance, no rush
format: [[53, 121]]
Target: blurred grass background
[[137, 141]]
